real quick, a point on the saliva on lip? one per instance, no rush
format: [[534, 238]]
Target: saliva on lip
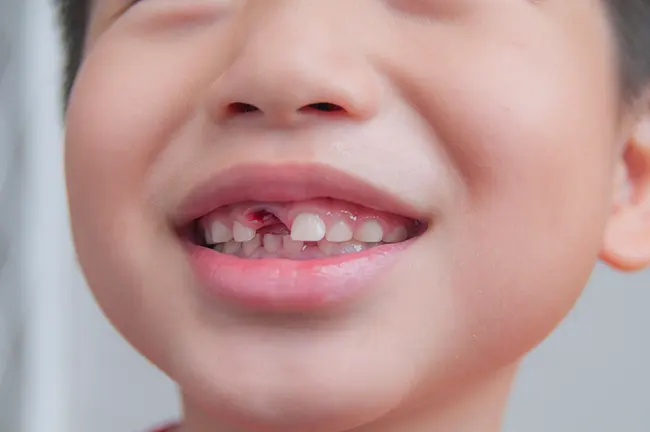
[[304, 231]]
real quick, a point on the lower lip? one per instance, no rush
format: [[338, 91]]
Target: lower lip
[[288, 285]]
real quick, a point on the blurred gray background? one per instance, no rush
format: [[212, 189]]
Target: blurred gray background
[[63, 368], [11, 140]]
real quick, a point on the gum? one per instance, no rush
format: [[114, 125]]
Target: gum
[[269, 217]]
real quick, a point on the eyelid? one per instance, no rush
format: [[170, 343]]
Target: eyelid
[[192, 7]]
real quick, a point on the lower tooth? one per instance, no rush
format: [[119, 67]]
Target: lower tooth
[[328, 248], [232, 247], [272, 243], [249, 247], [291, 246], [218, 247]]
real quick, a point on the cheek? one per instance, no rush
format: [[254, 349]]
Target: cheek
[[534, 177], [519, 272], [119, 121], [532, 228]]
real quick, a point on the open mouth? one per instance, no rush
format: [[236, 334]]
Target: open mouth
[[305, 230], [294, 237]]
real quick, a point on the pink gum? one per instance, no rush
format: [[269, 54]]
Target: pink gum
[[330, 211]]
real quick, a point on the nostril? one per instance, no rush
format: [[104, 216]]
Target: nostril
[[241, 108], [323, 107]]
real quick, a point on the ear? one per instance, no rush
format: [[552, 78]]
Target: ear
[[626, 244]]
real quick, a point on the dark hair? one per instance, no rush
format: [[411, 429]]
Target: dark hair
[[630, 20], [74, 15]]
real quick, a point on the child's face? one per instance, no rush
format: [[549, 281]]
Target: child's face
[[496, 123]]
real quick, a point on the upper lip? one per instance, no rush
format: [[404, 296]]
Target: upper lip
[[287, 183]]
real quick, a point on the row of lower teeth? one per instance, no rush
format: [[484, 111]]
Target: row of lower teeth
[[285, 246]]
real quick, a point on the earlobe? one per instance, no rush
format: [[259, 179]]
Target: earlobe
[[626, 243]]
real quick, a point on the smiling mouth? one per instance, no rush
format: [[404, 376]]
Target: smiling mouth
[[294, 237], [304, 230]]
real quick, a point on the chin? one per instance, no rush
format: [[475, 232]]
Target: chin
[[317, 399]]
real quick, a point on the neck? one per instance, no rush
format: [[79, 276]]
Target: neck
[[478, 408]]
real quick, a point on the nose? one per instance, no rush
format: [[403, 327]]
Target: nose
[[292, 61]]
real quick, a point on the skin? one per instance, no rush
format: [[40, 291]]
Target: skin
[[501, 120]]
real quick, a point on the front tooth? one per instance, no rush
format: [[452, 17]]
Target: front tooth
[[232, 247], [399, 234], [291, 246], [369, 232], [339, 232], [249, 247], [308, 227], [272, 243], [242, 233], [220, 233]]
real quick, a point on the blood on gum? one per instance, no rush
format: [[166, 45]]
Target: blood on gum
[[260, 216]]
